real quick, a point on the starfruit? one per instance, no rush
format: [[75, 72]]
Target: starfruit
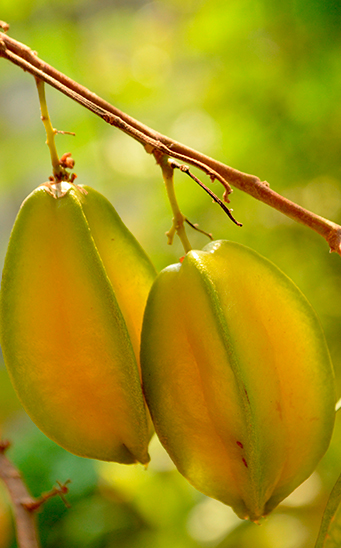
[[237, 376], [75, 283]]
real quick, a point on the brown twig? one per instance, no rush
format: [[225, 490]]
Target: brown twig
[[25, 520], [25, 58], [4, 26], [185, 169], [24, 504], [34, 504], [195, 226]]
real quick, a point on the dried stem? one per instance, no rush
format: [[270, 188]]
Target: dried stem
[[25, 58], [25, 519], [24, 504], [195, 226], [185, 169]]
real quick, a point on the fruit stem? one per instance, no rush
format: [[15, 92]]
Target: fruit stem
[[178, 226], [58, 171]]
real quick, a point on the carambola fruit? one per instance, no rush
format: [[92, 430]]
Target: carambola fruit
[[237, 376], [75, 283]]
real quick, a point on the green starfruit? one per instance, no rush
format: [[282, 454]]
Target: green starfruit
[[75, 283], [237, 376]]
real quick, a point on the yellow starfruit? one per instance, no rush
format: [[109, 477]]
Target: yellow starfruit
[[237, 376], [74, 287]]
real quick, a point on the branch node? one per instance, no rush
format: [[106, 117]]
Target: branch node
[[334, 240], [32, 505], [185, 169], [4, 445], [226, 198], [61, 132], [149, 148], [170, 235], [161, 158], [4, 26], [66, 161], [195, 226], [3, 47]]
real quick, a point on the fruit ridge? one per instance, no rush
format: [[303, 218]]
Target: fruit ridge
[[70, 352], [237, 376]]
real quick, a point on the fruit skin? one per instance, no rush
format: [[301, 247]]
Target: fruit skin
[[237, 377], [65, 340], [115, 243]]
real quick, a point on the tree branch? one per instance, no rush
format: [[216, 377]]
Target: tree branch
[[28, 60], [24, 504], [25, 519]]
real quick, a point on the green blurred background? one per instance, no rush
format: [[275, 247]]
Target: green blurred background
[[253, 83]]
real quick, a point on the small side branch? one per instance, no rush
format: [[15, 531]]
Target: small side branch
[[196, 227], [24, 57], [25, 519], [4, 26], [62, 490], [24, 504], [185, 169]]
